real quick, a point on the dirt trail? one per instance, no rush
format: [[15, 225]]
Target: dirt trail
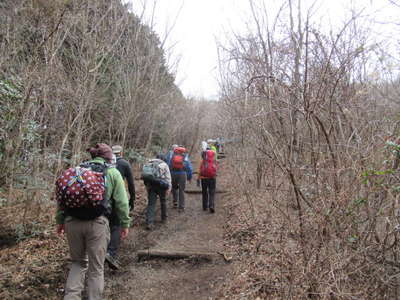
[[173, 279]]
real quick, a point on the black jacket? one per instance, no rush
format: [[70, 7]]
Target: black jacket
[[126, 171]]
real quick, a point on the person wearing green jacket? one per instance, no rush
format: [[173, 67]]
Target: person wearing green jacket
[[211, 145], [88, 231]]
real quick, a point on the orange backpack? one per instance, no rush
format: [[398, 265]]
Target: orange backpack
[[208, 167], [178, 159]]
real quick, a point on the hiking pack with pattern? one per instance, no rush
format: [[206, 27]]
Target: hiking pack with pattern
[[81, 191], [208, 167], [178, 159], [152, 174]]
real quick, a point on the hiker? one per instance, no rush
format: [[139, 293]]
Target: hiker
[[181, 171], [211, 145], [157, 179], [85, 220], [207, 176], [125, 169], [168, 155], [218, 145], [204, 146]]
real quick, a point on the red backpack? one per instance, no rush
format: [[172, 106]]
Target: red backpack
[[208, 167], [178, 159]]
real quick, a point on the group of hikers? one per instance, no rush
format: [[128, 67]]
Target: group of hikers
[[93, 206]]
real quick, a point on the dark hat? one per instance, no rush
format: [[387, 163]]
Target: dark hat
[[101, 150]]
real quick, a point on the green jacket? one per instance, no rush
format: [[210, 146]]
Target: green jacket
[[116, 192], [213, 148]]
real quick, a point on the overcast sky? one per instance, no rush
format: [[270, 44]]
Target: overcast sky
[[193, 26]]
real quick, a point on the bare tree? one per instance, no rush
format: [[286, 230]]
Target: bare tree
[[301, 103]]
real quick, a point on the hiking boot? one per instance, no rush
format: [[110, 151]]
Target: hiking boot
[[150, 227], [112, 262], [164, 221], [175, 205], [212, 210]]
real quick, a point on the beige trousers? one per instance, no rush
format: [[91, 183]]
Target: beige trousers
[[87, 242]]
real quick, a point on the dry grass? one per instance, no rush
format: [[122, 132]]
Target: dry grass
[[32, 261]]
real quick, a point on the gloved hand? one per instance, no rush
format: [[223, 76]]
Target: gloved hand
[[198, 182]]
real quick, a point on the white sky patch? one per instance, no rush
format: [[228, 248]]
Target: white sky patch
[[192, 42], [196, 25]]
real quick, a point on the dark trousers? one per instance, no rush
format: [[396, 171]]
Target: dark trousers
[[208, 192], [115, 236], [178, 189], [152, 194]]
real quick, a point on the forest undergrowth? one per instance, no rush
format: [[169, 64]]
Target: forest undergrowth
[[345, 251]]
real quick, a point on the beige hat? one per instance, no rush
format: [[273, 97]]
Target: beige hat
[[116, 149]]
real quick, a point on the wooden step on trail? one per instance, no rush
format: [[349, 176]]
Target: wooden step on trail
[[181, 254]]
